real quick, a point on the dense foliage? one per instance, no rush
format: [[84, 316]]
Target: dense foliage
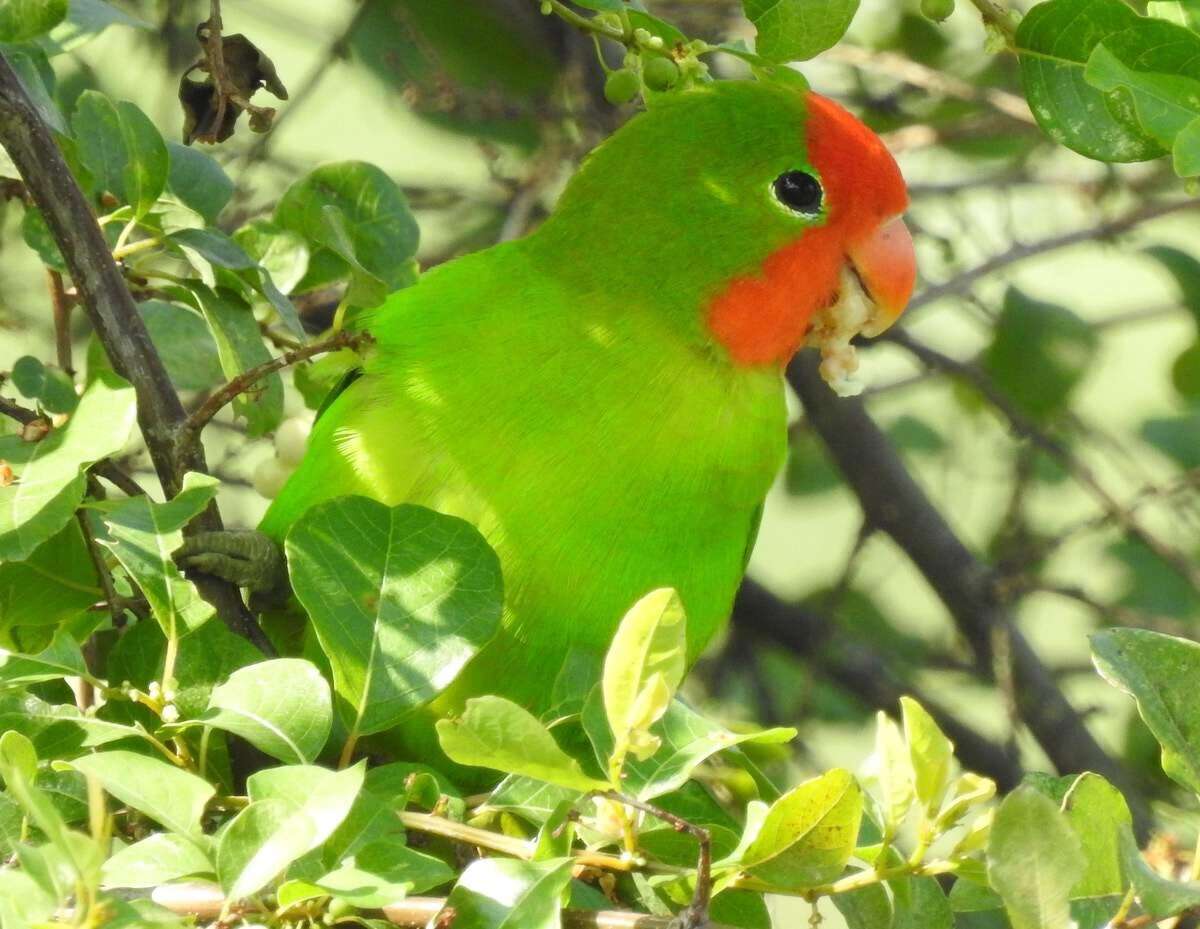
[[157, 767]]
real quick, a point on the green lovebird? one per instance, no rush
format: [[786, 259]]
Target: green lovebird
[[604, 398]]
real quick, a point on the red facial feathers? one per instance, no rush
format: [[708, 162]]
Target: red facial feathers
[[762, 318]]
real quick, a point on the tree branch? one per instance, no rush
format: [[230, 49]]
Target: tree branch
[[115, 318], [893, 502], [862, 672], [189, 430]]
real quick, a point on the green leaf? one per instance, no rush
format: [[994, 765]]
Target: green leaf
[[497, 733], [281, 707], [198, 180], [184, 343], [1039, 354], [1177, 437], [1185, 153], [1054, 42], [143, 536], [62, 659], [169, 795], [49, 479], [1185, 269], [894, 772], [57, 731], [1158, 672], [400, 599], [22, 20], [807, 835], [256, 846], [120, 146], [796, 30], [280, 251], [1159, 896], [643, 667], [1182, 12], [1033, 860], [293, 810], [383, 873], [686, 740], [360, 219], [1152, 69], [931, 754], [37, 77], [51, 387], [61, 573], [157, 859], [1098, 814], [240, 347], [502, 893]]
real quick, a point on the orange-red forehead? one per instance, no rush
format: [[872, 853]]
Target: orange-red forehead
[[863, 184]]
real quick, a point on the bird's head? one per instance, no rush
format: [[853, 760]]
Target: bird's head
[[762, 217]]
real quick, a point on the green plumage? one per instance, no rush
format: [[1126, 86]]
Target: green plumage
[[562, 392]]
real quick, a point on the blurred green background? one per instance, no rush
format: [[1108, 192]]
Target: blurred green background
[[480, 109]]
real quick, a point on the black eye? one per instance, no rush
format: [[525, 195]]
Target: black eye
[[798, 191]]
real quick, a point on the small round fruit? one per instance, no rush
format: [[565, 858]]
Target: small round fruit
[[660, 73], [270, 476], [291, 439], [937, 10], [621, 86]]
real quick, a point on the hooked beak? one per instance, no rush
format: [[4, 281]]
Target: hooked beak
[[886, 264]]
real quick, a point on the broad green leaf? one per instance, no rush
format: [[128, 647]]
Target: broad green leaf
[[85, 20], [533, 799], [357, 216], [321, 798], [292, 811], [1158, 671], [53, 390], [1098, 814], [497, 733], [931, 754], [686, 740], [400, 599], [37, 77], [57, 731], [1185, 269], [1054, 42], [866, 908], [1152, 69], [22, 20], [807, 835], [49, 479], [503, 893], [120, 146], [383, 873], [198, 180], [61, 573], [257, 845], [1185, 153], [644, 666], [1177, 437], [169, 795], [281, 707], [1158, 896], [240, 347], [157, 859], [1033, 860], [184, 343], [920, 903], [1039, 354], [23, 901], [968, 791], [62, 659], [795, 30], [282, 252], [143, 536]]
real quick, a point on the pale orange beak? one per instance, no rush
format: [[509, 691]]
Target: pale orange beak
[[886, 263]]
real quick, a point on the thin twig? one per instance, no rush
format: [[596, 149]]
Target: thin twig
[[995, 14], [1023, 251], [189, 430], [61, 306], [118, 478], [14, 410]]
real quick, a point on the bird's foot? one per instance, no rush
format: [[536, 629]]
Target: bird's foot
[[244, 557]]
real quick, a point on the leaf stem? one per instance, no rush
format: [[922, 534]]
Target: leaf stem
[[587, 24]]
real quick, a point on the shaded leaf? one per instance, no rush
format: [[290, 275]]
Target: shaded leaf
[[120, 146], [400, 599], [501, 893], [795, 30], [170, 796]]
